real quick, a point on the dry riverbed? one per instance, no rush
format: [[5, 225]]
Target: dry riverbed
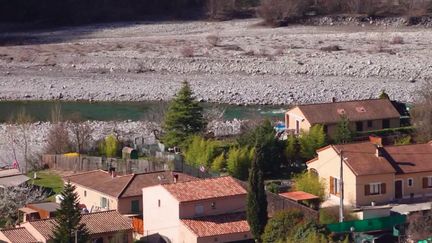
[[248, 64]]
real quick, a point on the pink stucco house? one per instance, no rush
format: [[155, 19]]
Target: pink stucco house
[[210, 210]]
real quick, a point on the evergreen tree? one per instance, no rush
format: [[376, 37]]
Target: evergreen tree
[[68, 217], [184, 118], [343, 132], [256, 198], [311, 141], [292, 149]]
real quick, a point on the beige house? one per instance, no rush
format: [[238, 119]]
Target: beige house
[[100, 190], [210, 210], [364, 115], [108, 226], [373, 173]]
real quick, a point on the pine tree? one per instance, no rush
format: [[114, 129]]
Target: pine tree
[[256, 198], [68, 217], [184, 118], [343, 132]]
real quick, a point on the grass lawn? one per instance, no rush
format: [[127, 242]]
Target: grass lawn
[[48, 179]]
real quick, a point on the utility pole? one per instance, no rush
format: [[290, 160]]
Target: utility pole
[[341, 190]]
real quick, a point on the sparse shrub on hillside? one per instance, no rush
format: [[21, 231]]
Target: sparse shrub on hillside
[[397, 40], [281, 12], [187, 51], [213, 40]]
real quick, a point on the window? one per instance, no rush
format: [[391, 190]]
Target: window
[[385, 123], [369, 124], [85, 193], [375, 188], [213, 205], [410, 182], [104, 202], [427, 182], [359, 126], [135, 206], [334, 186], [199, 209], [159, 203]]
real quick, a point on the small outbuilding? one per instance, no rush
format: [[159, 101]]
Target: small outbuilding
[[129, 153]]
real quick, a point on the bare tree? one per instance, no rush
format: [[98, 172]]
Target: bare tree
[[420, 225], [421, 114], [58, 139], [13, 198], [18, 134], [81, 134]]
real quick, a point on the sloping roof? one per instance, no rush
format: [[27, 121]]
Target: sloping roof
[[126, 185], [361, 158], [411, 158], [9, 172], [298, 196], [205, 189], [13, 180], [18, 235], [358, 110], [47, 206], [99, 222], [151, 179], [218, 224]]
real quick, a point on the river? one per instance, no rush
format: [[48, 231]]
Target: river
[[108, 111]]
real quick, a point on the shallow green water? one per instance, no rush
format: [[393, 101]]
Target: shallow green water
[[105, 111]]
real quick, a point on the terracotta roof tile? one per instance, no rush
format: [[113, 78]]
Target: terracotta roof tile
[[151, 179], [362, 159], [358, 110], [205, 189], [18, 235], [126, 185], [101, 181], [298, 195], [218, 224], [100, 222]]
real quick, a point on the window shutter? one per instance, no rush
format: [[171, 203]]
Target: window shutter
[[425, 182], [367, 189], [383, 188], [332, 185]]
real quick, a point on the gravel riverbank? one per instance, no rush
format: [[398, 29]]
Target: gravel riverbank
[[248, 64]]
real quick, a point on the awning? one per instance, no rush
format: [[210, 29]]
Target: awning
[[27, 210], [298, 196]]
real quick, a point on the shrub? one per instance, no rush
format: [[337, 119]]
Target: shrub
[[201, 151], [311, 141], [331, 48], [280, 226], [219, 163], [213, 40], [239, 162], [397, 40], [187, 51], [281, 12], [404, 140], [310, 183], [330, 215]]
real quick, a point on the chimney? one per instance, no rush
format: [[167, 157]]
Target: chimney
[[175, 176], [376, 140], [379, 152], [112, 172]]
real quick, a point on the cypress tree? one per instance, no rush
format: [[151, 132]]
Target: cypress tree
[[184, 118], [256, 198], [343, 132], [68, 217]]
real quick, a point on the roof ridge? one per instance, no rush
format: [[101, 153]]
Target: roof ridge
[[127, 185], [85, 172], [343, 101], [100, 212], [9, 229], [200, 180]]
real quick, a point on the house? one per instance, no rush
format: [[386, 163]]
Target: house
[[375, 174], [12, 178], [17, 235], [209, 210], [34, 211], [100, 190], [363, 115], [108, 226]]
